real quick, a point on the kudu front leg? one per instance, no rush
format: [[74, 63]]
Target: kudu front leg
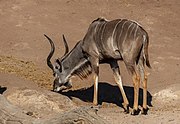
[[95, 67], [117, 76], [95, 98]]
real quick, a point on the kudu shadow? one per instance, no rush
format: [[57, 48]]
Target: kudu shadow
[[108, 93], [2, 89]]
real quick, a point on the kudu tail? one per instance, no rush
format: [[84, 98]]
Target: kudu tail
[[145, 49]]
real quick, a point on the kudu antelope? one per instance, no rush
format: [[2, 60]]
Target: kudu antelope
[[106, 42]]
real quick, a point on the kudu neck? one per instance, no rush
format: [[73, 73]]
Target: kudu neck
[[73, 59]]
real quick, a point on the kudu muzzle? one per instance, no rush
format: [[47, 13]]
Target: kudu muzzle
[[58, 87]]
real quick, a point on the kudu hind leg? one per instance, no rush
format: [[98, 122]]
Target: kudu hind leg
[[143, 76], [117, 76], [145, 108], [136, 84]]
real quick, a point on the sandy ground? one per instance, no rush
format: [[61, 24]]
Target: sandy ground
[[23, 51]]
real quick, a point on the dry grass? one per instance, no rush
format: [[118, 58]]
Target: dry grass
[[25, 69]]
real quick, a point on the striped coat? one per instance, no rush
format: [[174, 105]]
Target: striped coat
[[106, 42]]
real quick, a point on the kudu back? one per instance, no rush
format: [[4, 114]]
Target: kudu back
[[106, 42]]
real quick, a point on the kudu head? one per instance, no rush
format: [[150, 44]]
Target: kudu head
[[58, 70]]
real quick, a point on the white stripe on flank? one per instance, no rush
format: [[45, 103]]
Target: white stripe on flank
[[122, 28], [135, 31], [110, 44], [116, 27], [130, 26], [127, 32], [132, 30], [103, 30], [96, 27]]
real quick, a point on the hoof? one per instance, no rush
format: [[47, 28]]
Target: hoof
[[144, 111], [126, 109], [135, 112], [97, 107]]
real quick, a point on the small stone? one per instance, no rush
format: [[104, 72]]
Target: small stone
[[29, 113]]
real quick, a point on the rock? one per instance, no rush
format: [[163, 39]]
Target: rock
[[82, 115], [43, 104], [13, 115]]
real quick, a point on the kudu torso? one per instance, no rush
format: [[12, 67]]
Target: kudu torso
[[117, 39], [120, 39]]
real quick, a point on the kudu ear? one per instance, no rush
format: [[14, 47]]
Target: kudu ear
[[66, 45], [59, 64]]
